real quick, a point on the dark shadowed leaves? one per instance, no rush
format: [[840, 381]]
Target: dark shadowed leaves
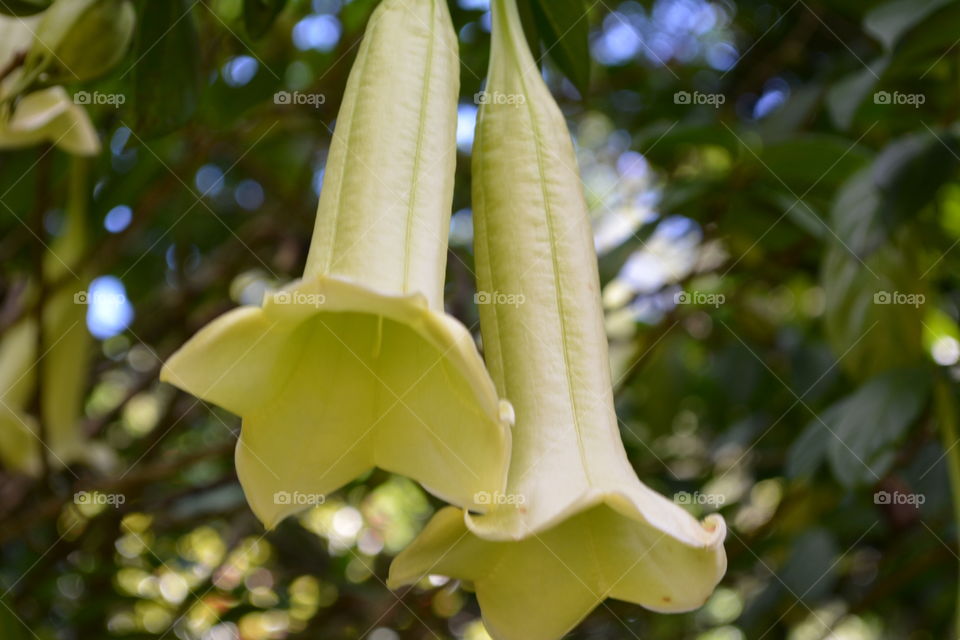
[[563, 27], [911, 170], [23, 7], [868, 423], [258, 15], [166, 68]]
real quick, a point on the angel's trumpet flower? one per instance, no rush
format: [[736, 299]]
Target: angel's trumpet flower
[[356, 365], [575, 525]]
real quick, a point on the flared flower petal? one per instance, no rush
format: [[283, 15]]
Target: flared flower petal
[[542, 586], [356, 365], [49, 115], [332, 379], [575, 524]]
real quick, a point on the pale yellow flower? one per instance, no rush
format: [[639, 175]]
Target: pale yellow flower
[[356, 365], [575, 524]]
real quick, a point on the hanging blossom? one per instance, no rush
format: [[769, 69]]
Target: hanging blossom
[[575, 524], [356, 365]]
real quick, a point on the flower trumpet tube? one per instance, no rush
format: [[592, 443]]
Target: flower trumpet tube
[[575, 524], [356, 364]]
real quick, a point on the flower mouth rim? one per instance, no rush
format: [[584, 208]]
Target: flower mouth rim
[[285, 311], [707, 534]]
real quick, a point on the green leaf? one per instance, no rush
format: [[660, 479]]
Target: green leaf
[[259, 15], [868, 423], [901, 181], [910, 171], [866, 264], [801, 213], [564, 28], [166, 75], [845, 97], [928, 41], [809, 449], [888, 22], [355, 15], [811, 569], [665, 141], [854, 215], [868, 333], [814, 160], [10, 627]]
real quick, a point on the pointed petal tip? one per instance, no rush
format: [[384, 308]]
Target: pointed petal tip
[[716, 528], [167, 374], [395, 579]]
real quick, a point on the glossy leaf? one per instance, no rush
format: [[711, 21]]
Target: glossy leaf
[[910, 171], [867, 424]]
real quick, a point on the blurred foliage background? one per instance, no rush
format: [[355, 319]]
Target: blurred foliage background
[[776, 205]]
